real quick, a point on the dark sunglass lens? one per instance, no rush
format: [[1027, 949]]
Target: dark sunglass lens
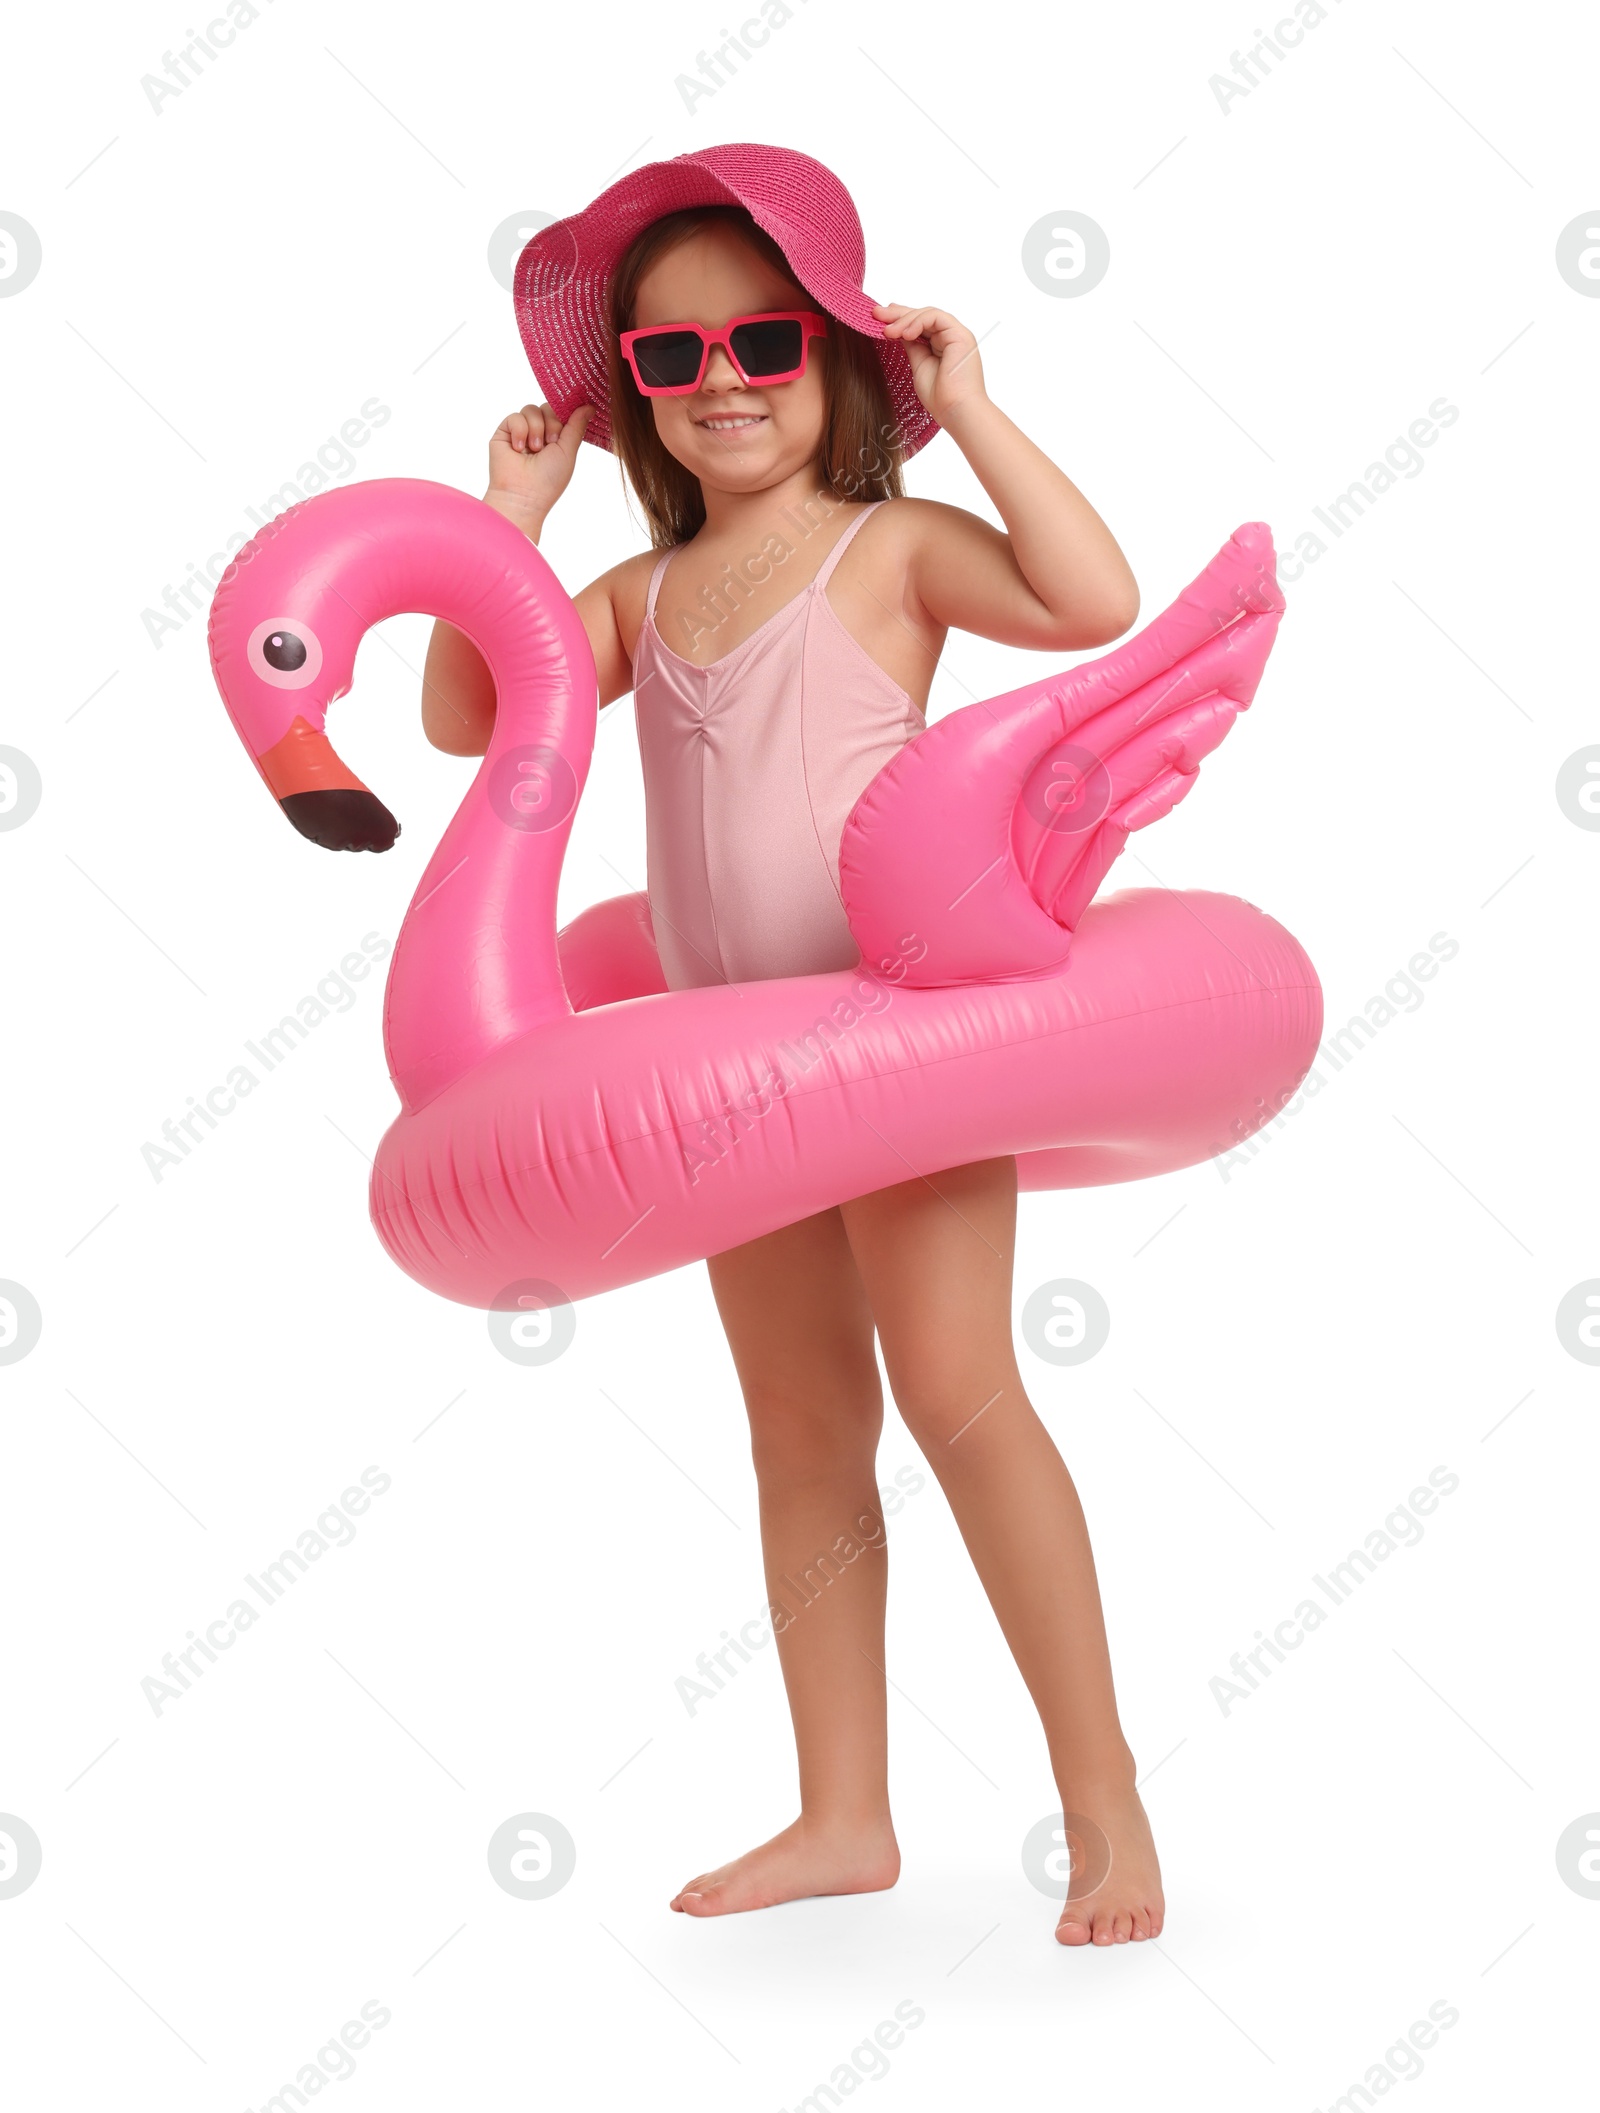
[[667, 359], [767, 348]]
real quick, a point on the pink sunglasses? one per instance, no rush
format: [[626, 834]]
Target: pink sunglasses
[[669, 359]]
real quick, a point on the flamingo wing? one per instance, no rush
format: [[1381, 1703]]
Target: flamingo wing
[[972, 855]]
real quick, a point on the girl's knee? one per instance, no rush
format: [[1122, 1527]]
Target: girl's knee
[[798, 1432], [937, 1407]]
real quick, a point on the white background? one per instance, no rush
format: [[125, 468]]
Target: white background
[[1371, 1296]]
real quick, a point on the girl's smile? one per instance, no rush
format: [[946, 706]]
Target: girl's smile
[[729, 422]]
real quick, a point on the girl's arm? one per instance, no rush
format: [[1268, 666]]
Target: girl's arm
[[1056, 580], [531, 459]]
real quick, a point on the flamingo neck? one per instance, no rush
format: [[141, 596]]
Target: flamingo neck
[[475, 964]]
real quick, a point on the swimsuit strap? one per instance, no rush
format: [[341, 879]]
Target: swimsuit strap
[[661, 565], [647, 630], [838, 549]]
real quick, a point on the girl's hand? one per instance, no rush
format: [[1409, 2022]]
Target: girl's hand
[[531, 459], [943, 353]]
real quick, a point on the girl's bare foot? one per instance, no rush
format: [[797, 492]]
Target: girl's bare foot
[[1128, 1904], [804, 1860]]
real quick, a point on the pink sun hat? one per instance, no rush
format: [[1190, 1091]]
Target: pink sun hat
[[562, 273]]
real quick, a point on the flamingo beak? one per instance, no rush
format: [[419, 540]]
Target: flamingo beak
[[325, 801]]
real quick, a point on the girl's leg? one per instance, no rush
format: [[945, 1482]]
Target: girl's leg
[[936, 1260], [800, 1330]]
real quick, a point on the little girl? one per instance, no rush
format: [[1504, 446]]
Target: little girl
[[704, 318]]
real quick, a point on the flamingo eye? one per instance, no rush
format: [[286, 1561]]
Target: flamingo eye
[[285, 652]]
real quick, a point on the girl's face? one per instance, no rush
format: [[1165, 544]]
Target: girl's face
[[732, 438]]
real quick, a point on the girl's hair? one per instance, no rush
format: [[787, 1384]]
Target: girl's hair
[[861, 452]]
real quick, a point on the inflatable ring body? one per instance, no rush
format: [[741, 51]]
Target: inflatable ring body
[[568, 1122]]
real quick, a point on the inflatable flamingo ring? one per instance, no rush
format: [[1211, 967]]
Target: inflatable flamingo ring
[[569, 1124]]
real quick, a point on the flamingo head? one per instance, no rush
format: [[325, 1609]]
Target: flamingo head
[[285, 624]]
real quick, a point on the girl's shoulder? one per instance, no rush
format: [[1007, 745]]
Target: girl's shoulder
[[902, 526], [612, 609], [904, 534], [921, 517], [628, 585]]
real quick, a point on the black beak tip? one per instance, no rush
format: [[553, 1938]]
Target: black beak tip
[[342, 819]]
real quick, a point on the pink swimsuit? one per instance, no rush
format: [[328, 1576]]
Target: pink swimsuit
[[751, 766]]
